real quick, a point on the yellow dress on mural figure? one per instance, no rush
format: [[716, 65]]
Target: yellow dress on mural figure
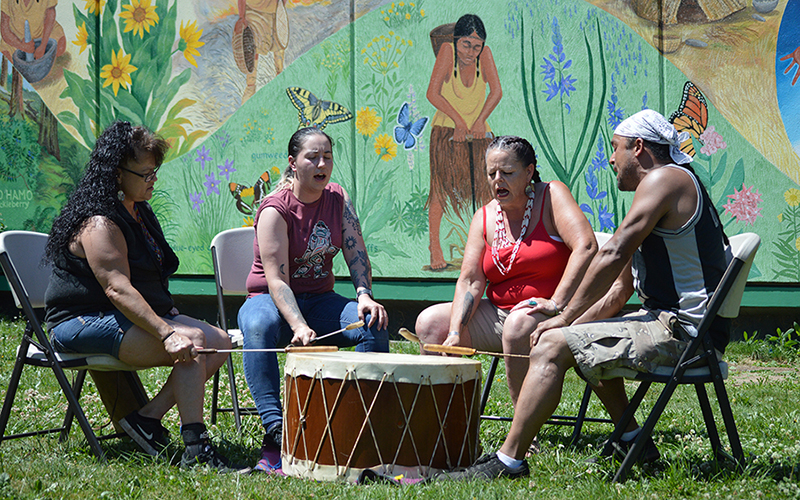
[[459, 135], [263, 27], [42, 24]]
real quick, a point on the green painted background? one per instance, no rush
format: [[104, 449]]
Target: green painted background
[[603, 70]]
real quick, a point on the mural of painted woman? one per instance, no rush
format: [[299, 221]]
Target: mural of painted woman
[[263, 27], [459, 133]]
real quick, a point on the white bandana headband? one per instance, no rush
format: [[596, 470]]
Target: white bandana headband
[[652, 126]]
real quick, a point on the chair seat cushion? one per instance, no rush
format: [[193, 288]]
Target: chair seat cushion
[[237, 339], [72, 361]]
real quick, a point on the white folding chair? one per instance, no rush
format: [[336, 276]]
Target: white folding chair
[[232, 256], [698, 365], [21, 255], [577, 421]]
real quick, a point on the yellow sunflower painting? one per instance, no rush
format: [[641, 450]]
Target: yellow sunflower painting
[[139, 15], [82, 38], [190, 41], [118, 72]]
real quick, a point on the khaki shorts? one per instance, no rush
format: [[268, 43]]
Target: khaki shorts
[[640, 340], [486, 327]]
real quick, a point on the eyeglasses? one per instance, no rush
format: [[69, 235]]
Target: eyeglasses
[[147, 177]]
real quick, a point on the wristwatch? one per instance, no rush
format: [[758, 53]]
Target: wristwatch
[[364, 291]]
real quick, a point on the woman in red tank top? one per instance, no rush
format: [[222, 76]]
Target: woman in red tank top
[[527, 249]]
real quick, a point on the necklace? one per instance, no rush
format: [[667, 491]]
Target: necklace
[[500, 239]]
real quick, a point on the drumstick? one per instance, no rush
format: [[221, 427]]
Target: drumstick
[[351, 326], [288, 348], [467, 351], [406, 334]]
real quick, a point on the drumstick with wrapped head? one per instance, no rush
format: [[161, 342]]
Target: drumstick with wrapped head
[[351, 326], [406, 334], [467, 351], [288, 348]]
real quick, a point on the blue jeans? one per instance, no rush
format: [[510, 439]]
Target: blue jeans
[[263, 327]]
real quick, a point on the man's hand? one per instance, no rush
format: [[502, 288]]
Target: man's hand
[[554, 322], [377, 312]]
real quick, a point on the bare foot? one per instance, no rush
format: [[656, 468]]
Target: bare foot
[[437, 258]]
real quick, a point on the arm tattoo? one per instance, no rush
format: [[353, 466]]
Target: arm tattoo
[[287, 297], [469, 300], [351, 217], [359, 269]]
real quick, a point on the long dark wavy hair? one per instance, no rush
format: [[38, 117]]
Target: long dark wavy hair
[[96, 193], [520, 147]]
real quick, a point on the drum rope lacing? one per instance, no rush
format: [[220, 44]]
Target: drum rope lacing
[[328, 431]]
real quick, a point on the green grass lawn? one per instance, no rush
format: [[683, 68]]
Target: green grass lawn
[[763, 387]]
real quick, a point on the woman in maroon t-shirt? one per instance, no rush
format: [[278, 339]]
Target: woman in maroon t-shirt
[[299, 229]]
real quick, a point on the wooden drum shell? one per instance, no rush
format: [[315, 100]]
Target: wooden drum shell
[[394, 413]]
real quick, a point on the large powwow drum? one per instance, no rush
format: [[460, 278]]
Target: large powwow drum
[[394, 413]]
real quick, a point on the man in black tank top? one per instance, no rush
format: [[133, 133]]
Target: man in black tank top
[[670, 248]]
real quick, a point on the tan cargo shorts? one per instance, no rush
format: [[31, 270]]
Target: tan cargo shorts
[[486, 327], [640, 340]]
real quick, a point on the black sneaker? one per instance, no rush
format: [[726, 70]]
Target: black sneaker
[[487, 467], [200, 452], [148, 433]]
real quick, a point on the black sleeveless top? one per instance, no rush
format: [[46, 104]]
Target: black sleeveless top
[[73, 289]]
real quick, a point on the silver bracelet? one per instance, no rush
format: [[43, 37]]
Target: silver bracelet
[[453, 334], [364, 291]]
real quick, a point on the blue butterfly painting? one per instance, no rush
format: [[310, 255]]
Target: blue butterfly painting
[[406, 132]]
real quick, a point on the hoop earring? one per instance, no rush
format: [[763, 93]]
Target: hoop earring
[[120, 195]]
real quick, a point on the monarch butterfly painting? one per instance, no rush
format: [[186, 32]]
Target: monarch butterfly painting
[[249, 198], [313, 112], [691, 116]]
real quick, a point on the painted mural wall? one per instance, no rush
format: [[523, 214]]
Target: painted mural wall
[[227, 82]]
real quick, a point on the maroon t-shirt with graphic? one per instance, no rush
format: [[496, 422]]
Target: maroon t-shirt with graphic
[[315, 237]]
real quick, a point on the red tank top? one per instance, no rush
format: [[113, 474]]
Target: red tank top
[[537, 269], [315, 237]]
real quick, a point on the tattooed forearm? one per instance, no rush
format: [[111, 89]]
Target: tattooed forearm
[[350, 216], [360, 269], [290, 309], [466, 312]]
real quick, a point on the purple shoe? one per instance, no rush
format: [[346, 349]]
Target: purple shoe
[[270, 462]]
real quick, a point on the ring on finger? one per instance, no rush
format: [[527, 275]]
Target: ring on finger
[[531, 302]]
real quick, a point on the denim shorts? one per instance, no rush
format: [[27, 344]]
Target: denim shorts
[[95, 333]]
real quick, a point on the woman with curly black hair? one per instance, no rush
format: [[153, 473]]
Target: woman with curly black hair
[[108, 290]]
